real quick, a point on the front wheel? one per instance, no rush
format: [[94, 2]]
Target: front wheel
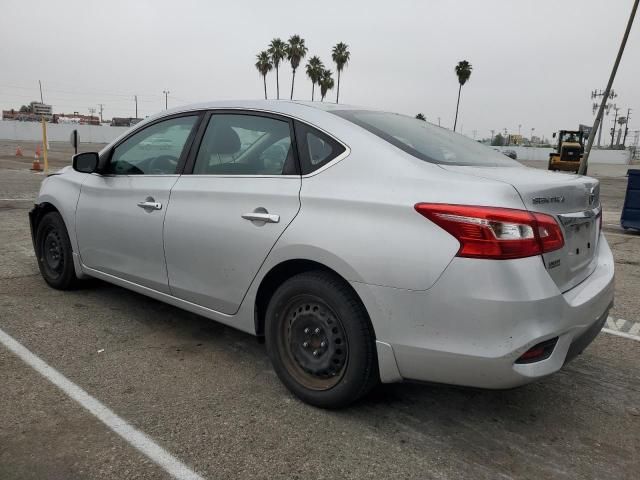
[[320, 340], [54, 252]]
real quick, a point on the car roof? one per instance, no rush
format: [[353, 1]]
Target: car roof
[[314, 113], [276, 106]]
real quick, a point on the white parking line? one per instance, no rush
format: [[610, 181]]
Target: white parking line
[[621, 334], [130, 434]]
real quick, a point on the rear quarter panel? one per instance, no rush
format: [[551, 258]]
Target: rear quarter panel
[[358, 216]]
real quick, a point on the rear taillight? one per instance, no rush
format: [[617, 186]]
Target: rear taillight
[[496, 233]]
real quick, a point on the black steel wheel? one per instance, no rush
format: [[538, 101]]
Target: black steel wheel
[[54, 252], [320, 340]]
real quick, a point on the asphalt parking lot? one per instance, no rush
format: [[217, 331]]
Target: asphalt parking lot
[[208, 396]]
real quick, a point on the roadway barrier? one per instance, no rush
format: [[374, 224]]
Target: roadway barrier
[[57, 132], [541, 154]]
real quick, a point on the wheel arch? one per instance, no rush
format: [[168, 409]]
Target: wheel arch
[[47, 204], [36, 214], [280, 273]]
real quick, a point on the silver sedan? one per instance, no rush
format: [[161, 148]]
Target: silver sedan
[[363, 246]]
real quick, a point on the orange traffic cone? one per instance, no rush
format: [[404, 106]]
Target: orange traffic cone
[[35, 166], [19, 151]]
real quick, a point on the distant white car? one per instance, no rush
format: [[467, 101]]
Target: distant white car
[[363, 245]]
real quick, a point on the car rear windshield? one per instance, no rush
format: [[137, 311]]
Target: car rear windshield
[[426, 141]]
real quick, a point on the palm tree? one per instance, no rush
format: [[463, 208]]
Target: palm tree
[[315, 69], [340, 55], [264, 66], [463, 71], [421, 116], [278, 52], [326, 83], [296, 51]]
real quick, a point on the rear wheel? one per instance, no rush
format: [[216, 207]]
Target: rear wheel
[[320, 340], [54, 252]]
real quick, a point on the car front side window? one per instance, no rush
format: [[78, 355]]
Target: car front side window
[[155, 150]]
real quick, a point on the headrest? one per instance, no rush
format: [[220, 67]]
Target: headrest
[[224, 140]]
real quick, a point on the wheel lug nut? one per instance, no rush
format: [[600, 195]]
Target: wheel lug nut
[[317, 331], [323, 344], [316, 353], [307, 330], [305, 345]]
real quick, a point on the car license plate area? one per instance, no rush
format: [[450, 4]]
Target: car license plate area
[[581, 238]]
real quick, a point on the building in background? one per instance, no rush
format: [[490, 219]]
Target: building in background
[[514, 139], [76, 118], [29, 113], [124, 121]]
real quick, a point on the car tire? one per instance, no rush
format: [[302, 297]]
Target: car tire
[[320, 340], [54, 252]]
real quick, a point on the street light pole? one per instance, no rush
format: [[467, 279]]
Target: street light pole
[[582, 170], [166, 95]]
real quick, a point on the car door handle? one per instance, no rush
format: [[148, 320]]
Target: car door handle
[[261, 217], [150, 205]]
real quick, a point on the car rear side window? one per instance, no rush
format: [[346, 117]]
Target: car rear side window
[[316, 148], [426, 141]]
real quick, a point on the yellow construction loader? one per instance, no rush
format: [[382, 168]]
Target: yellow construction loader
[[569, 152]]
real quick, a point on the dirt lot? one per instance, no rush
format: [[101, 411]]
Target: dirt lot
[[208, 395]]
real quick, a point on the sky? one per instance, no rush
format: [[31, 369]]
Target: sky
[[535, 62]]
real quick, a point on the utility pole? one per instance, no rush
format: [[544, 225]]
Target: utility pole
[[582, 170], [166, 95], [438, 121], [615, 118], [492, 135], [41, 98], [621, 121], [474, 134], [599, 93], [519, 128], [626, 128], [101, 107], [91, 111], [135, 99], [531, 138]]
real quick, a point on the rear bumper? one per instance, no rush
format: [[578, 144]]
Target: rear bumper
[[481, 316]]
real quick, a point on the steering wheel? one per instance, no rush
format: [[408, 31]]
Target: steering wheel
[[164, 164]]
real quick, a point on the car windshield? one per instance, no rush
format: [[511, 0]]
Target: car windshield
[[426, 141]]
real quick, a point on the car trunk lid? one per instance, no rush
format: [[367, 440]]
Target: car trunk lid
[[574, 201]]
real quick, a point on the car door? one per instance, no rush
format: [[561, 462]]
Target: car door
[[228, 213], [121, 211]]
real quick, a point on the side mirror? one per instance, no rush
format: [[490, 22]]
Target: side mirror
[[86, 162]]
